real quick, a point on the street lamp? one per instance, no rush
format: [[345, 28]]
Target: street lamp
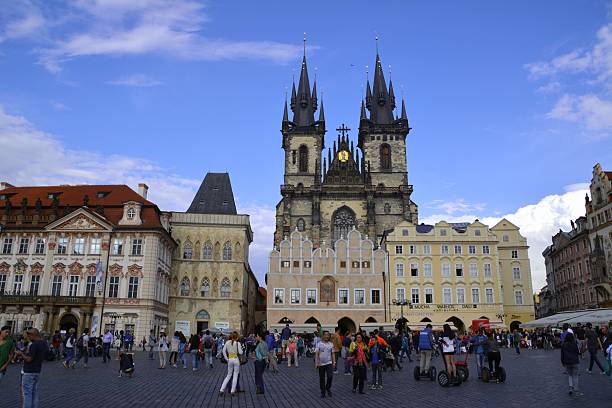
[[401, 303]]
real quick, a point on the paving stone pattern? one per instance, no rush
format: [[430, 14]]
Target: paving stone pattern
[[535, 378]]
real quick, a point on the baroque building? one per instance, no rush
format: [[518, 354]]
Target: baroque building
[[459, 272], [89, 256], [213, 286]]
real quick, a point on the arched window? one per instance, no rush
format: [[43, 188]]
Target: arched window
[[226, 289], [301, 225], [303, 159], [343, 221], [385, 157], [187, 250], [227, 251], [207, 252], [131, 213], [205, 288], [185, 286]]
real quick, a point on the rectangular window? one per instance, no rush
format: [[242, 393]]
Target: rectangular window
[[73, 285], [489, 295], [518, 297], [359, 296], [427, 270], [307, 264], [295, 297], [426, 249], [311, 296], [79, 246], [23, 245], [516, 273], [343, 296], [401, 294], [365, 264], [459, 270], [94, 247], [485, 249], [405, 232], [414, 270], [472, 249], [375, 296], [342, 264], [2, 283], [460, 295], [113, 287], [117, 246], [355, 264], [443, 232], [412, 249], [285, 264], [399, 249], [137, 246], [414, 295], [505, 238], [133, 287], [296, 264], [474, 270], [7, 248], [34, 284], [62, 246], [399, 269], [17, 284], [477, 232], [279, 296], [90, 287], [458, 249], [444, 249], [56, 286], [475, 296], [487, 270], [40, 246], [446, 270], [514, 254], [429, 295], [447, 296]]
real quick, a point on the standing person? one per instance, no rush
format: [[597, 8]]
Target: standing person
[[174, 348], [261, 359], [479, 341], [151, 343], [107, 340], [359, 350], [448, 350], [405, 352], [425, 344], [292, 352], [7, 347], [395, 344], [69, 347], [570, 358], [56, 342], [325, 361], [163, 350], [285, 336], [581, 337], [376, 356], [32, 367], [82, 345], [517, 341], [337, 342], [346, 344], [231, 351], [194, 349], [182, 357], [493, 355], [593, 346], [208, 342]]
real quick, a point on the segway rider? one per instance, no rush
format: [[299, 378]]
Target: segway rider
[[448, 351], [426, 342], [493, 355], [479, 341]]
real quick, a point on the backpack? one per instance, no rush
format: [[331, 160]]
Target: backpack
[[208, 342], [80, 341]]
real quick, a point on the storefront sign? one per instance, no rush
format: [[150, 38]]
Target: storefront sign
[[183, 326], [222, 326], [443, 307]]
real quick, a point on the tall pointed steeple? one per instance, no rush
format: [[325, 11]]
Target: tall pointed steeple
[[285, 112], [322, 114], [404, 116], [381, 106], [363, 112], [391, 95], [303, 113]]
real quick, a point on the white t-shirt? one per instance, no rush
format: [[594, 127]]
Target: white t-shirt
[[163, 344], [447, 345], [325, 350], [230, 348]]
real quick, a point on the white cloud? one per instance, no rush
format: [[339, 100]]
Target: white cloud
[[594, 112], [136, 80], [58, 106], [263, 223], [20, 20], [537, 222], [458, 205]]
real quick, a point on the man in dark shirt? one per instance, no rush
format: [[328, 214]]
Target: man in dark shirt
[[32, 366], [593, 345]]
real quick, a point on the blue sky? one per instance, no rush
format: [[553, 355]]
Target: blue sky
[[510, 104]]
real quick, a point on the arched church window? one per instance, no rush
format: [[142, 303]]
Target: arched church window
[[303, 159], [187, 250], [301, 225], [385, 157], [227, 251], [205, 288], [185, 287], [343, 222], [226, 289], [207, 252]]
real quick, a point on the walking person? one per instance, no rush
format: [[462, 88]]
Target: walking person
[[517, 341], [346, 344], [285, 336], [570, 358], [151, 343], [231, 351], [194, 349], [325, 361], [32, 366], [107, 340], [358, 351], [337, 342], [174, 348], [208, 343], [163, 350], [69, 347], [7, 348], [292, 352], [593, 346], [261, 359], [82, 346], [182, 357]]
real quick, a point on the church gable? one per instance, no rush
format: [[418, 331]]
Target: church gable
[[80, 220]]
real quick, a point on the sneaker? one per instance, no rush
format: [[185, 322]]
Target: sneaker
[[380, 387], [373, 386]]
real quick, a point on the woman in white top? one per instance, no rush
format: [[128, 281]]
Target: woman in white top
[[231, 351], [163, 349], [448, 350], [174, 347]]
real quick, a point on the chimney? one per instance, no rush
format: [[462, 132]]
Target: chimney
[[143, 189], [4, 184]]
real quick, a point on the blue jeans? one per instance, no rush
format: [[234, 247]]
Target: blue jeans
[[182, 357], [69, 355], [479, 363], [29, 389], [208, 357], [194, 358]]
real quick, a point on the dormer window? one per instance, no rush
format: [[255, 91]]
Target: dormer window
[[102, 194], [131, 213]]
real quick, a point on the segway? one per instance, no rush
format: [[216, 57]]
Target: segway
[[431, 374], [492, 376], [461, 365], [444, 378]]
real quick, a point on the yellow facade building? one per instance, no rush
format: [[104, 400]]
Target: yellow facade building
[[458, 273]]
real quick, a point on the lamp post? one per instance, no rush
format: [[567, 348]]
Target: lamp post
[[401, 303]]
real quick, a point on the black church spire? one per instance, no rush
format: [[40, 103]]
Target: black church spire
[[379, 102]]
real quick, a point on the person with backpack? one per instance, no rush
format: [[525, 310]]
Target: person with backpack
[[82, 346], [69, 348], [426, 343], [194, 349], [207, 342], [570, 359]]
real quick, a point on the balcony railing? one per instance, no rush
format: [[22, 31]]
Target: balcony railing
[[27, 299]]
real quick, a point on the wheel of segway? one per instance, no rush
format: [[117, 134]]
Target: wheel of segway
[[463, 373], [417, 373], [502, 374], [458, 380], [443, 379], [485, 374], [432, 373]]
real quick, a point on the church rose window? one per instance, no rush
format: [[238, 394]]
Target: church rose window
[[343, 222]]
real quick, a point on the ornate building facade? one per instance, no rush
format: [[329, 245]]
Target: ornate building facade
[[95, 256], [213, 286]]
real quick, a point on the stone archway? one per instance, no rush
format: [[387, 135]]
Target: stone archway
[[515, 325], [458, 323], [370, 320], [69, 321], [346, 325], [312, 320]]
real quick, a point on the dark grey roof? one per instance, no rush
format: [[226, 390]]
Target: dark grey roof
[[215, 196], [459, 226], [423, 228]]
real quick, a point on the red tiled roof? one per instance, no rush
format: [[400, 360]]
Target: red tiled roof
[[111, 201], [609, 174], [263, 292]]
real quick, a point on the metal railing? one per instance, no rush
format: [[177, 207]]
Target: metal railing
[[21, 299]]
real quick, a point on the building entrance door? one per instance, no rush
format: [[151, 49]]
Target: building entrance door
[[69, 321], [202, 326]]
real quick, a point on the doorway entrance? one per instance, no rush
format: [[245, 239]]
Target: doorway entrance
[[346, 325], [69, 321], [202, 326]]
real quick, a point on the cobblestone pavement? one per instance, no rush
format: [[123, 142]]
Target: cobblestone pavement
[[535, 378]]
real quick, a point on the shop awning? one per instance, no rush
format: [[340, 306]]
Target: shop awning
[[595, 316]]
